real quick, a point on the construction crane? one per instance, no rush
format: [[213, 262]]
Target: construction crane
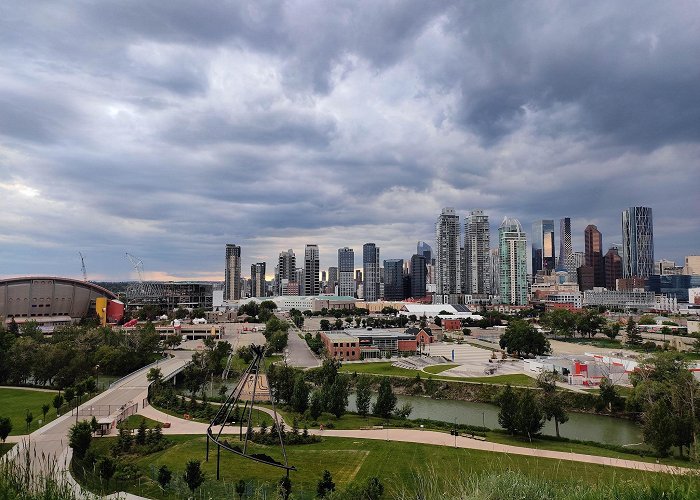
[[82, 266], [138, 265], [142, 290]]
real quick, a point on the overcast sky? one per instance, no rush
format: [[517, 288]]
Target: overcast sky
[[168, 129]]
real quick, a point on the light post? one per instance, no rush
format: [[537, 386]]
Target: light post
[[483, 419], [97, 374]]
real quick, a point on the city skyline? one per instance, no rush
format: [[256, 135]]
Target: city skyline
[[168, 132]]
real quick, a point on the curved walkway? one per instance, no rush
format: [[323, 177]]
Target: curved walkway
[[181, 426]]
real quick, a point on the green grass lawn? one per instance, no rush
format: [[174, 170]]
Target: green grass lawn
[[16, 402], [438, 368], [396, 464], [134, 421], [257, 416], [513, 379]]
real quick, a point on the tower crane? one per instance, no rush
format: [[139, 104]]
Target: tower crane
[[137, 264], [82, 266], [143, 290]]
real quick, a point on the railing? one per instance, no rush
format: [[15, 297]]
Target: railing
[[155, 363]]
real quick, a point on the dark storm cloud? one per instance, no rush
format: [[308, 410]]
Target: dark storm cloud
[[167, 129]]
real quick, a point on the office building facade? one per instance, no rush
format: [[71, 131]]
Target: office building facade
[[593, 254], [232, 274], [372, 278], [418, 276], [476, 249], [448, 258], [513, 257], [286, 270], [637, 242], [393, 279], [312, 286], [543, 250], [346, 272], [612, 261]]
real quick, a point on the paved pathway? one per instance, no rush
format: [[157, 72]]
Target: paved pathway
[[51, 442], [181, 426], [298, 352]]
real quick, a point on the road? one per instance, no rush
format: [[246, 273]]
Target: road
[[298, 352], [51, 441]]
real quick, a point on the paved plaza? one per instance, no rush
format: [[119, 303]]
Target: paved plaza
[[473, 361]]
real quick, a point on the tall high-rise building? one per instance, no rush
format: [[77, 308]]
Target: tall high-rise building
[[447, 236], [543, 253], [593, 243], [613, 268], [332, 279], [286, 269], [637, 242], [257, 280], [476, 251], [566, 250], [370, 266], [422, 248], [358, 277], [495, 265], [312, 285], [393, 279], [513, 255], [418, 276], [346, 272], [232, 276]]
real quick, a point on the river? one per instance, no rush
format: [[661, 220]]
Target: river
[[581, 426]]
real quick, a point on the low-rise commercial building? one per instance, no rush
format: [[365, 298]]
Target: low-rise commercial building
[[341, 346]]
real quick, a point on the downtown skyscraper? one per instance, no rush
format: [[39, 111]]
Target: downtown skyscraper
[[418, 271], [566, 250], [312, 286], [512, 244], [286, 269], [232, 273], [370, 267], [447, 238], [346, 272], [637, 242], [477, 273], [393, 279], [593, 254], [543, 252], [257, 280]]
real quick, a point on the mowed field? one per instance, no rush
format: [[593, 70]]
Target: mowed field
[[399, 466], [15, 403]]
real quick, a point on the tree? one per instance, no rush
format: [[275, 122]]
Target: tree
[[106, 468], [404, 411], [164, 476], [193, 475], [522, 338], [363, 396], [608, 395], [94, 426], [561, 322], [44, 410], [141, 432], [70, 394], [300, 395], [5, 428], [284, 487], [374, 489], [245, 353], [530, 417], [240, 489], [508, 413], [79, 438], [325, 325], [612, 331], [325, 485], [552, 405], [155, 376], [316, 405], [277, 342], [647, 320], [337, 397], [658, 428], [57, 402], [28, 418], [589, 322], [386, 399], [633, 335], [79, 391]]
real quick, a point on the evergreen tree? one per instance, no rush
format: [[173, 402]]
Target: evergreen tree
[[79, 438], [386, 399], [141, 433], [363, 395], [325, 485], [633, 335], [164, 476], [193, 475], [508, 414], [658, 428], [338, 396], [240, 489], [5, 428]]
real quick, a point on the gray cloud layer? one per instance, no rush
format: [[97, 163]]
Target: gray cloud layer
[[168, 129]]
